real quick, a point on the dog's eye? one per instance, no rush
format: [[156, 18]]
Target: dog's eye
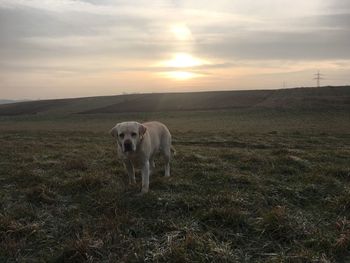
[[121, 135], [133, 134]]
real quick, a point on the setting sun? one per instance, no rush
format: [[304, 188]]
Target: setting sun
[[183, 60]]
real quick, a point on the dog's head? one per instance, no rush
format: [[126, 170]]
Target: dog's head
[[128, 135]]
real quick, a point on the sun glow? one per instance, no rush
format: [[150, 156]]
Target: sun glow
[[180, 75], [181, 32], [183, 60]]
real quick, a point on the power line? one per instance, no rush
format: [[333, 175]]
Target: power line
[[318, 78]]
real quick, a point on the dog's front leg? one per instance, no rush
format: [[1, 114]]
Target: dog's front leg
[[145, 177], [131, 171]]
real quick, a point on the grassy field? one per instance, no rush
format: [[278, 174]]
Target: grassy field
[[246, 186], [322, 98]]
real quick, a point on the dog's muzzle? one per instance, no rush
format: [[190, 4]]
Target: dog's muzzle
[[128, 146]]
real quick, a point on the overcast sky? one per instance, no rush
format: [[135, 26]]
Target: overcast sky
[[74, 48]]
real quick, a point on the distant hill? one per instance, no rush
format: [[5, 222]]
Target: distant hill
[[296, 98], [9, 101]]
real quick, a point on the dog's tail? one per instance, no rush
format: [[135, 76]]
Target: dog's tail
[[173, 150]]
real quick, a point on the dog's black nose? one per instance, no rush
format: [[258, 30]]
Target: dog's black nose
[[127, 146]]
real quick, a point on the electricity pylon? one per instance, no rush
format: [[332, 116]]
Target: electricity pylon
[[318, 78]]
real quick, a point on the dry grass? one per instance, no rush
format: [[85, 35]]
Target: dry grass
[[232, 197]]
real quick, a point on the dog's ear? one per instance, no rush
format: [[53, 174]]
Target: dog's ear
[[114, 131], [142, 129]]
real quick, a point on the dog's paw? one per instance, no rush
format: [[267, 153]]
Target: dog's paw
[[140, 194], [143, 192]]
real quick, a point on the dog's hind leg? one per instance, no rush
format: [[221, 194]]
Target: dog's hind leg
[[167, 157]]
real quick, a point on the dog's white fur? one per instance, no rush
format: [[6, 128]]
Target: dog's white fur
[[138, 145]]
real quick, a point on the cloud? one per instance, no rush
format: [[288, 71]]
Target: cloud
[[339, 5], [80, 37], [325, 44], [29, 32], [336, 21], [124, 28]]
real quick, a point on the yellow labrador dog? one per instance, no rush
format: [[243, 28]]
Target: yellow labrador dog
[[138, 145]]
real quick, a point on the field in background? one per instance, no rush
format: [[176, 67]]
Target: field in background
[[249, 120], [247, 185], [316, 99]]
